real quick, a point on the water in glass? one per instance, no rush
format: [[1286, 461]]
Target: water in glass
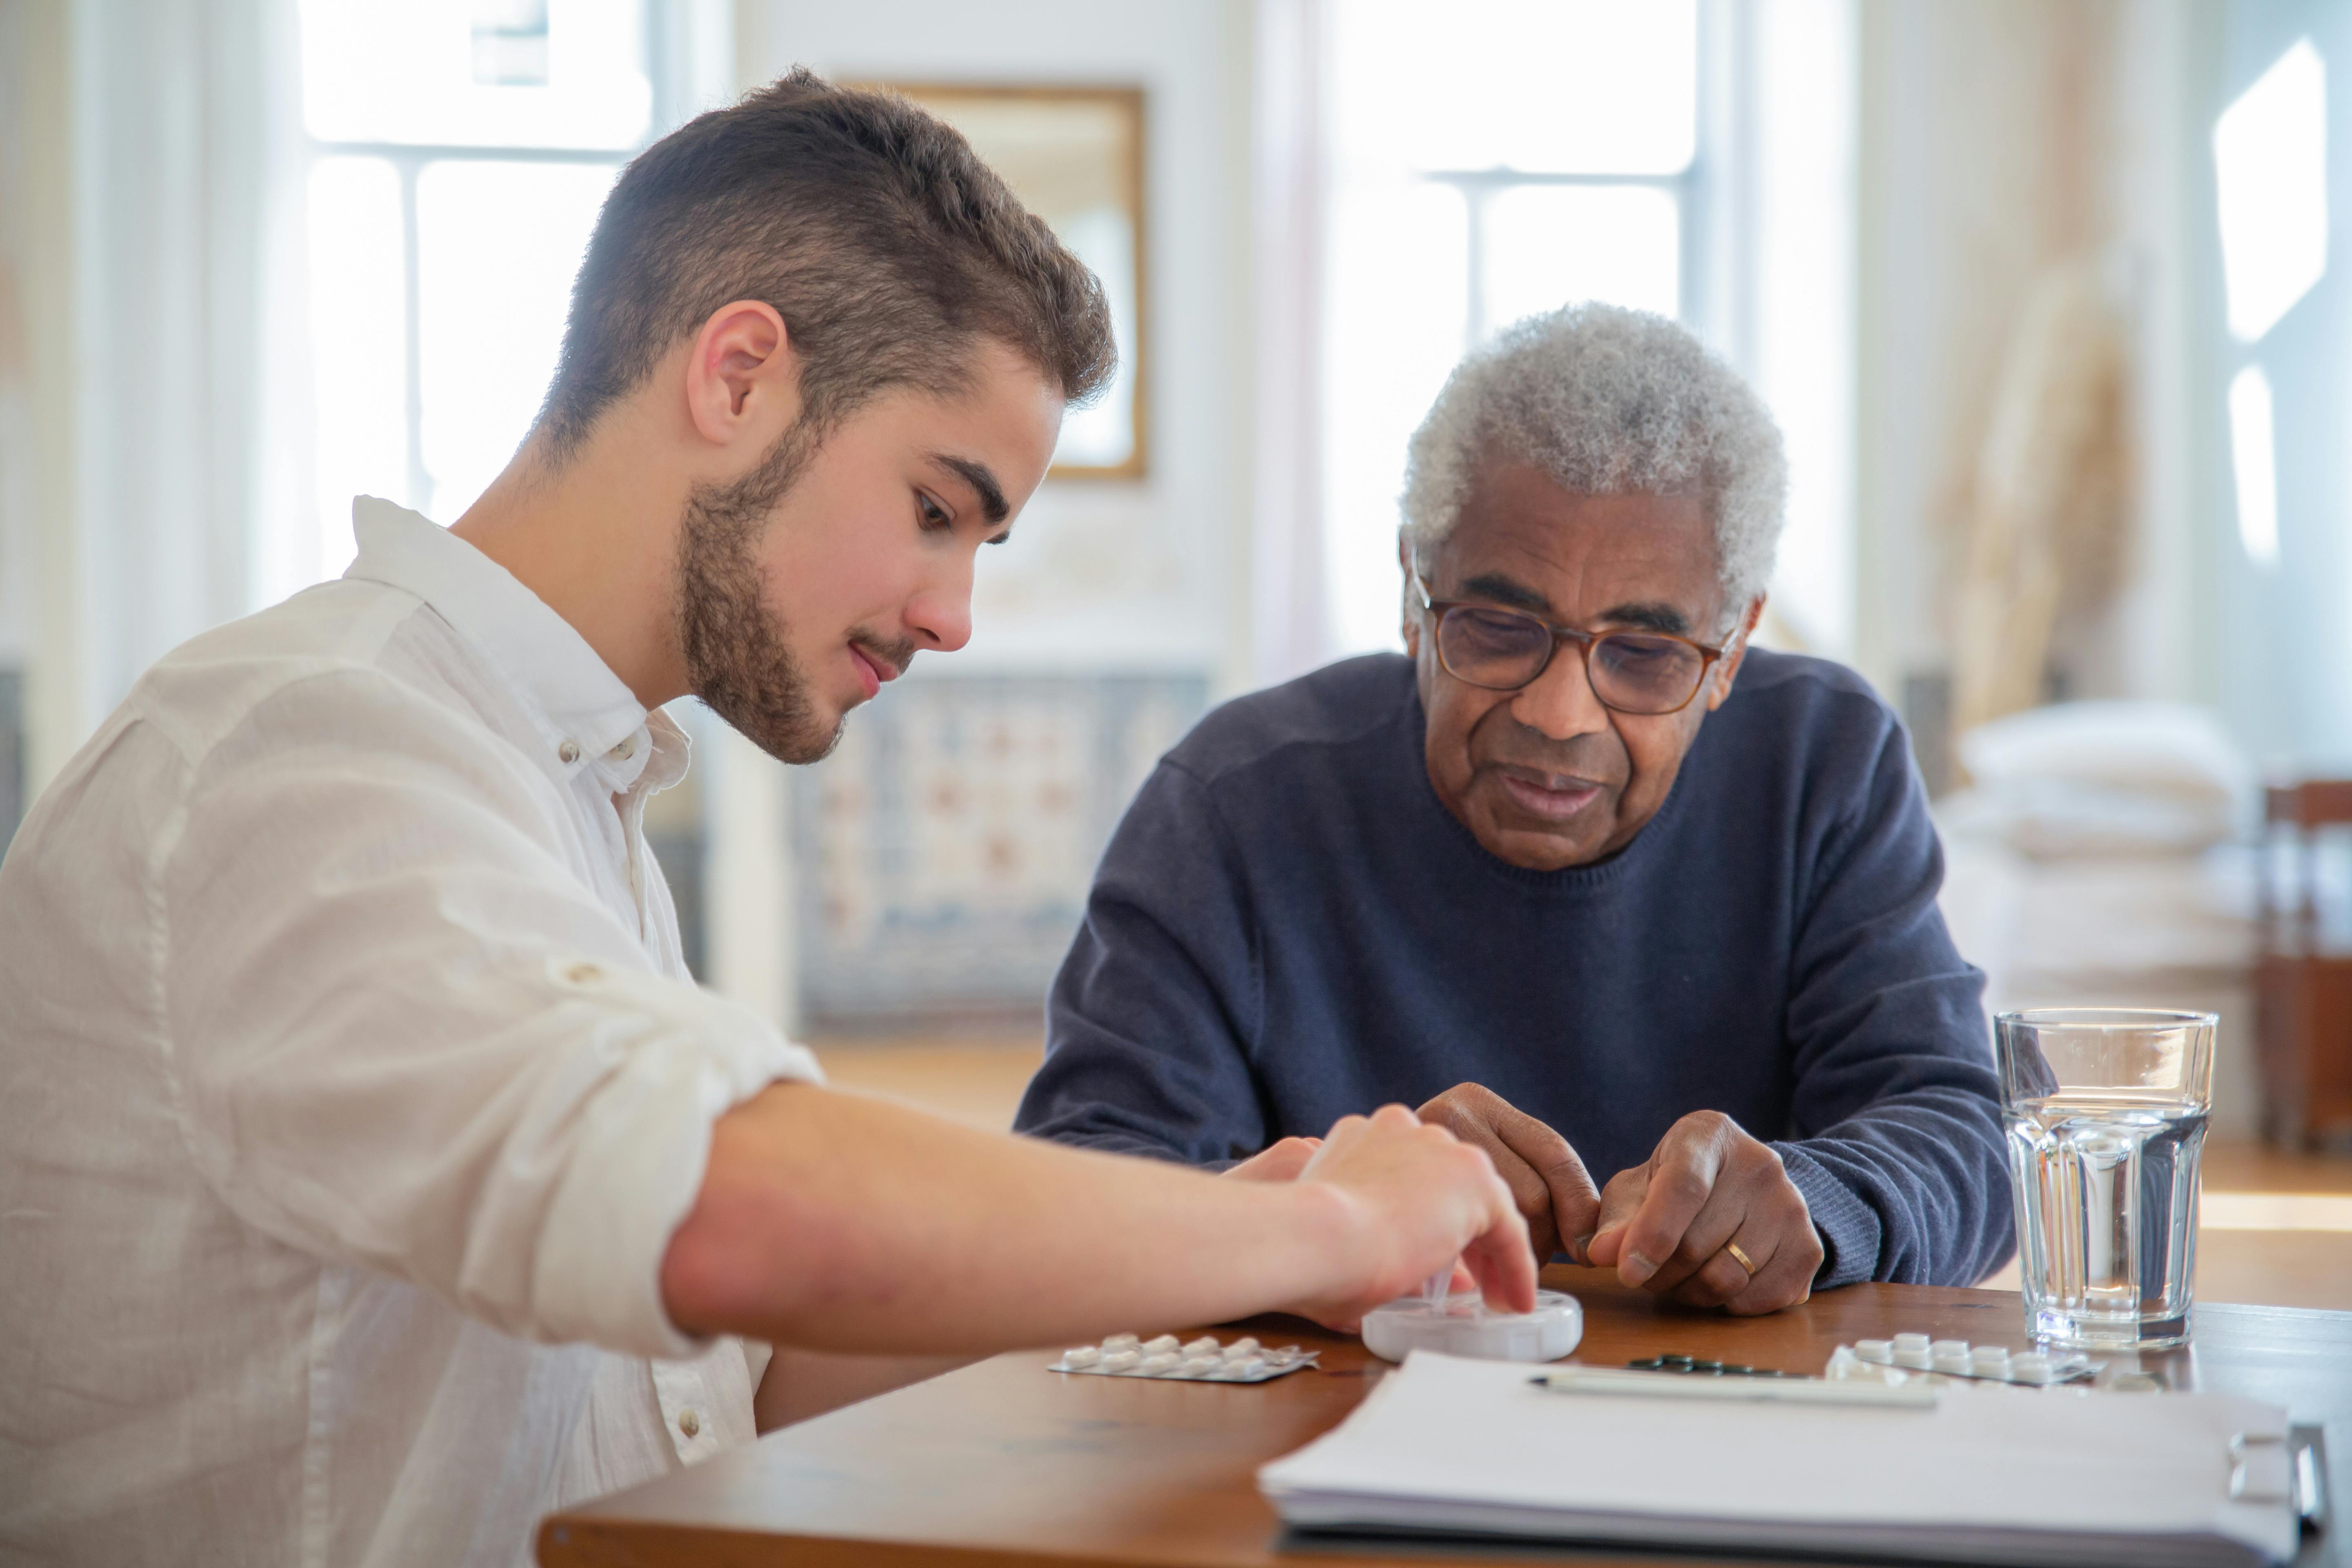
[[2105, 1109], [2106, 1188]]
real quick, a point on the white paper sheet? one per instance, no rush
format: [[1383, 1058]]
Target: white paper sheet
[[2023, 1475]]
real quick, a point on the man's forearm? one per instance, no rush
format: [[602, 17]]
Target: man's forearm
[[833, 1222]]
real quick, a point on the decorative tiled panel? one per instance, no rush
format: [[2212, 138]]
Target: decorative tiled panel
[[945, 849]]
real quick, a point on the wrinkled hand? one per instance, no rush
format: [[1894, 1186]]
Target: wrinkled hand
[[1548, 1181], [1664, 1225], [1413, 1199]]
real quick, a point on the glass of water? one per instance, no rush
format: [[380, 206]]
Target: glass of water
[[2105, 1109]]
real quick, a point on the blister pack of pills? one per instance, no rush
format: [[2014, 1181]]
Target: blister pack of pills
[[1198, 1360], [1916, 1355]]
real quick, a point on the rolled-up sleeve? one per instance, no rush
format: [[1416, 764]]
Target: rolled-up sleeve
[[405, 1034]]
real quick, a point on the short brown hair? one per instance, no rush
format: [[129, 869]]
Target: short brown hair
[[878, 234]]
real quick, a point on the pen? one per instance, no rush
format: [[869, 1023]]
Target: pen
[[1775, 1391]]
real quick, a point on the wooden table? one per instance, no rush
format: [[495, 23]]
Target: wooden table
[[1004, 1462]]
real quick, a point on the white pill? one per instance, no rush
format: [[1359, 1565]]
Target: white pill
[[1242, 1349], [1956, 1363], [1916, 1360], [1948, 1347], [1120, 1360], [1153, 1365], [1914, 1343], [1084, 1355], [1120, 1342], [1162, 1345], [1204, 1345], [1990, 1360], [1879, 1350], [2028, 1368], [1203, 1365], [1250, 1368]]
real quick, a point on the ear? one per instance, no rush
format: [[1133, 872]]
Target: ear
[[1727, 668], [742, 378]]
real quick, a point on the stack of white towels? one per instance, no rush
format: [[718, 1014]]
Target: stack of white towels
[[2101, 856]]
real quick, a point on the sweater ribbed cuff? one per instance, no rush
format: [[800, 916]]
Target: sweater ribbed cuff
[[1850, 1229]]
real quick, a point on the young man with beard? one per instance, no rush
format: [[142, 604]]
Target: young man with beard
[[372, 1177]]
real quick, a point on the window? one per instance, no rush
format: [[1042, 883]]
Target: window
[[1488, 160], [460, 152]]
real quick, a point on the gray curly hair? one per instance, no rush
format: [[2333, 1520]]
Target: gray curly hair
[[1608, 402]]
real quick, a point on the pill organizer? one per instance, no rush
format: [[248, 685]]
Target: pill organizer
[[1917, 1355], [1461, 1325], [1195, 1361]]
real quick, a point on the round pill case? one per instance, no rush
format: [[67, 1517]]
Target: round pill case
[[1464, 1327]]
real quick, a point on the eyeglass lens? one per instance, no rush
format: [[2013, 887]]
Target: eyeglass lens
[[1630, 672]]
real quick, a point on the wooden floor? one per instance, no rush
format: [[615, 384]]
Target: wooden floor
[[2277, 1228]]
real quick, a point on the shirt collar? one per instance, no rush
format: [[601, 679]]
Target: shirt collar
[[588, 716]]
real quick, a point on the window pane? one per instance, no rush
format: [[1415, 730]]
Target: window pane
[[1548, 86], [358, 345], [498, 245], [1549, 245], [503, 73]]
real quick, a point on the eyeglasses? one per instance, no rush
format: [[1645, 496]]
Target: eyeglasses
[[1645, 673]]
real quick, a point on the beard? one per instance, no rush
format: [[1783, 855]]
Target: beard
[[739, 659]]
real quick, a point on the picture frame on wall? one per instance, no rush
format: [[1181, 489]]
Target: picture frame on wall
[[1075, 156]]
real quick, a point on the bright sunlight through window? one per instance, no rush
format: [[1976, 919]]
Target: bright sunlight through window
[[460, 152], [2270, 161], [1490, 160], [2253, 456]]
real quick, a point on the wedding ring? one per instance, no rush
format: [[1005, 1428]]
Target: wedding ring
[[1740, 1258]]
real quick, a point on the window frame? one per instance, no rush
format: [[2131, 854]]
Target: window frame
[[409, 160], [1689, 188]]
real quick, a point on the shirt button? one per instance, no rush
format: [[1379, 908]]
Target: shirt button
[[583, 974], [568, 752], [624, 751], [688, 1422]]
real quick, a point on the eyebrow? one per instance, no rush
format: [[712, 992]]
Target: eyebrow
[[977, 475], [1649, 617]]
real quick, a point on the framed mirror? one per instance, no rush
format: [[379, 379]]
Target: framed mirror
[[1074, 157]]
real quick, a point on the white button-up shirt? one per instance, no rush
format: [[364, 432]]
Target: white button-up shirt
[[352, 1084]]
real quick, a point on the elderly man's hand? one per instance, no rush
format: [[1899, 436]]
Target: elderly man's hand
[[1669, 1224], [1548, 1181]]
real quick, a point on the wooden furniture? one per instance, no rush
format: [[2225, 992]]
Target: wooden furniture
[[1004, 1462], [2302, 992]]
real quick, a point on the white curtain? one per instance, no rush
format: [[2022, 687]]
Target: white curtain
[[172, 143], [1290, 621]]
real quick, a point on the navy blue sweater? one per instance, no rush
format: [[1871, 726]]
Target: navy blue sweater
[[1290, 926]]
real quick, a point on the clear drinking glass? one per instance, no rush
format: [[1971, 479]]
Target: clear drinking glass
[[2105, 1109]]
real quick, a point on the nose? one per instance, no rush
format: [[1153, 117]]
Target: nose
[[938, 614], [1559, 702]]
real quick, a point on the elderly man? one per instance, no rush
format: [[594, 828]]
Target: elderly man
[[1650, 902]]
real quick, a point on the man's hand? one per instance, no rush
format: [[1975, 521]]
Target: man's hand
[[1669, 1224], [1411, 1199], [1548, 1181], [1278, 1162]]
